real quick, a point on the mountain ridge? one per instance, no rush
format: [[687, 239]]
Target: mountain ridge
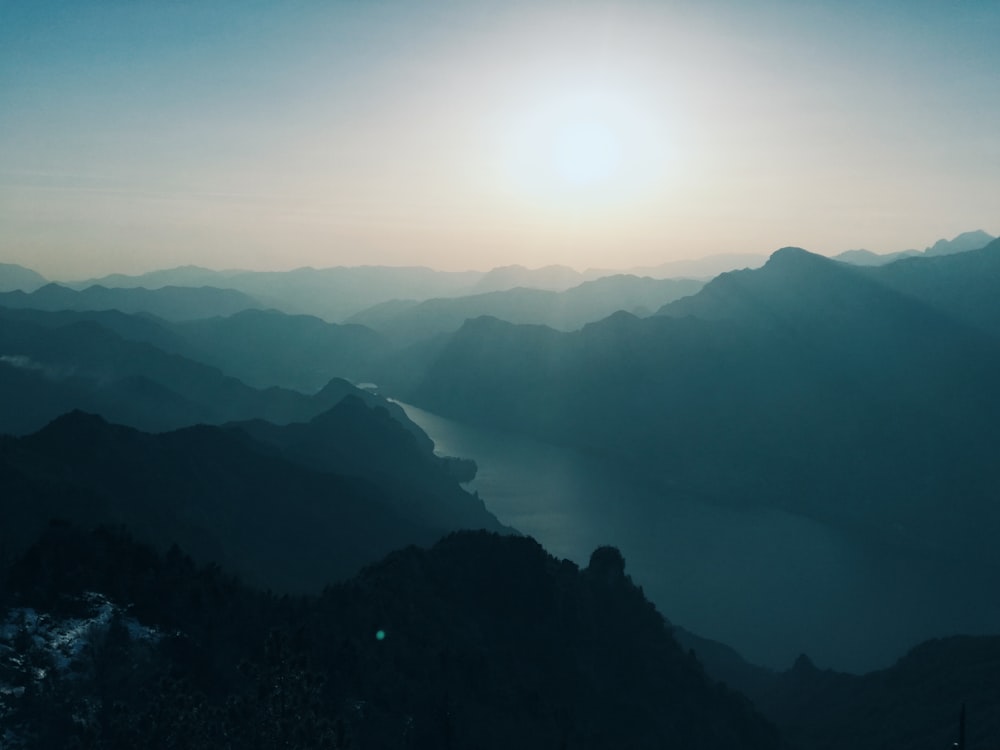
[[215, 490]]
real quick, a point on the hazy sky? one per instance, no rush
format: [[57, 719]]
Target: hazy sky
[[144, 134]]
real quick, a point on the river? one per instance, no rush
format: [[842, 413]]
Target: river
[[771, 584]]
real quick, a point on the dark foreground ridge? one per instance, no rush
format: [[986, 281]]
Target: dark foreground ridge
[[482, 641]]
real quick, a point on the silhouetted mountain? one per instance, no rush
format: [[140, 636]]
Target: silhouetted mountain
[[960, 244], [338, 389], [639, 295], [868, 258], [481, 641], [142, 327], [915, 703], [263, 348], [336, 294], [353, 439], [333, 294], [962, 285], [568, 310], [172, 303], [806, 386], [180, 276], [268, 348], [700, 268], [86, 366], [552, 278], [230, 499], [781, 355], [18, 278]]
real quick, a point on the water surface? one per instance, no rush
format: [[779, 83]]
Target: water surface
[[769, 583]]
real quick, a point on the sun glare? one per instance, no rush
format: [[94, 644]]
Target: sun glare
[[584, 149], [585, 152]]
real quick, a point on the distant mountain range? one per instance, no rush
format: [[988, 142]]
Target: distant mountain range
[[170, 302], [47, 369], [18, 278], [700, 268], [410, 322], [263, 348], [336, 294], [333, 294], [960, 244]]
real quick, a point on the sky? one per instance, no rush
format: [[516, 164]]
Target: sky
[[145, 134]]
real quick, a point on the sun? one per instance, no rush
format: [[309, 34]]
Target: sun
[[585, 152], [584, 148]]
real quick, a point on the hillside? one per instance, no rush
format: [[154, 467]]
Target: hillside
[[69, 362], [962, 286], [353, 439], [269, 348], [14, 277], [811, 368], [805, 387], [480, 641], [230, 499]]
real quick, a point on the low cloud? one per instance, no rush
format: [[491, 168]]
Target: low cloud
[[24, 362]]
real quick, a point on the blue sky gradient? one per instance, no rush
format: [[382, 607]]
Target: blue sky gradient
[[147, 134]]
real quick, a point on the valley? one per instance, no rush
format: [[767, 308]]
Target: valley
[[779, 479], [725, 572]]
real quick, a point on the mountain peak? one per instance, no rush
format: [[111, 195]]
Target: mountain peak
[[76, 420], [962, 243], [793, 255], [18, 278]]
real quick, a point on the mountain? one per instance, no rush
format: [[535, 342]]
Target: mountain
[[961, 285], [83, 365], [480, 641], [639, 295], [868, 258], [189, 276], [263, 348], [959, 244], [267, 348], [780, 355], [916, 702], [700, 268], [332, 294], [568, 310], [849, 319], [140, 327], [230, 499], [805, 388], [336, 294], [553, 278], [172, 303], [354, 439], [18, 278]]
